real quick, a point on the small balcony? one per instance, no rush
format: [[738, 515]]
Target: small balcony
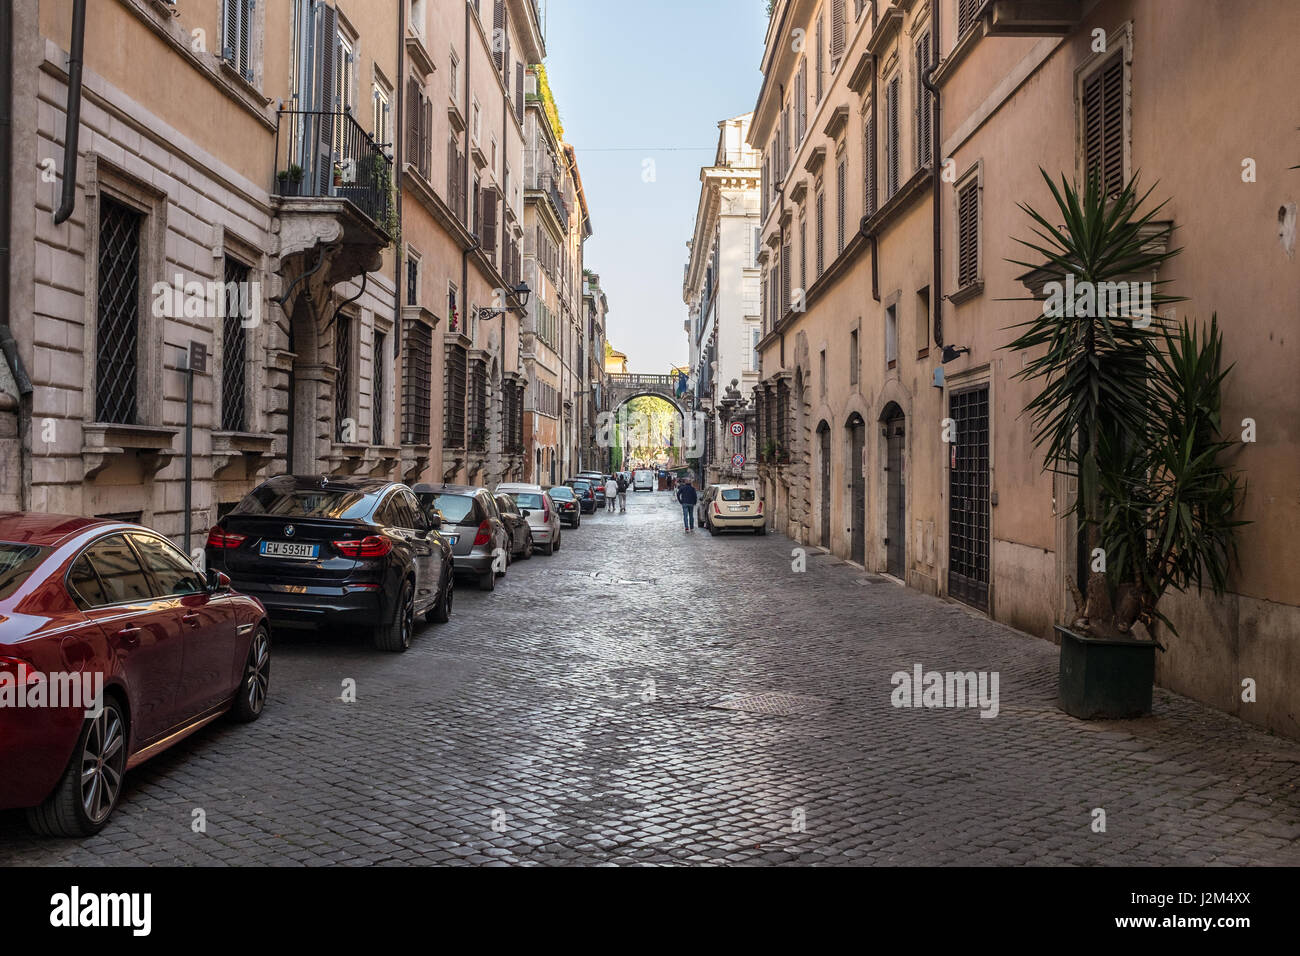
[[333, 199], [329, 156]]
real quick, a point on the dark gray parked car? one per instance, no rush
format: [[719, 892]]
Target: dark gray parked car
[[471, 522]]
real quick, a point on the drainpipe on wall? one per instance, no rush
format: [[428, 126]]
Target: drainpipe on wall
[[937, 161], [399, 141], [72, 127], [7, 343], [875, 139], [464, 256], [780, 221]]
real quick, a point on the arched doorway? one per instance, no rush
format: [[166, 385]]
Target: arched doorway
[[857, 445], [893, 430], [824, 464]]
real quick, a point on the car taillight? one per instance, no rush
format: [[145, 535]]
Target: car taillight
[[760, 507], [218, 538], [371, 547], [484, 534], [546, 514], [22, 670], [717, 508]]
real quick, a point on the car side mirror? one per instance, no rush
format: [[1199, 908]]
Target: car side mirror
[[217, 580]]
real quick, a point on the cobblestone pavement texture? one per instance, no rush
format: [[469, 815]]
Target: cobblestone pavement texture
[[568, 718]]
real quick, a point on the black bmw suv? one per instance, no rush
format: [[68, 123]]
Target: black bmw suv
[[337, 550]]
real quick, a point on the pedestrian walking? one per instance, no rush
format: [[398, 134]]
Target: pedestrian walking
[[622, 494], [611, 492], [686, 497]]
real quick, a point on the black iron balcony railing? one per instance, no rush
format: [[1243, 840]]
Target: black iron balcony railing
[[322, 154]]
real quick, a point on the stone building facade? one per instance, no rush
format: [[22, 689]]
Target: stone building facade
[[888, 225]]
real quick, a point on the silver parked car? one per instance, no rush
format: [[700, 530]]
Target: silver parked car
[[543, 517]]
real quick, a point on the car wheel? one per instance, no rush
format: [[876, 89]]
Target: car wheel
[[86, 794], [250, 699], [488, 581], [713, 529], [395, 636], [441, 613], [761, 529], [556, 546], [528, 547]]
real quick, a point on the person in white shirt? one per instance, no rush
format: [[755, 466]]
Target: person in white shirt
[[611, 492]]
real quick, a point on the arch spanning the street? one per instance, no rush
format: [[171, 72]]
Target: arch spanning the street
[[622, 388]]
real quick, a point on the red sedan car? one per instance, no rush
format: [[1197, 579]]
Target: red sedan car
[[112, 649]]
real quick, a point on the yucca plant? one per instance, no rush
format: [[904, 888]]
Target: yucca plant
[[1127, 405]]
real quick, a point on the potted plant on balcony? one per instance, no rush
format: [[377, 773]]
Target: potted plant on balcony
[[290, 180], [1128, 403]]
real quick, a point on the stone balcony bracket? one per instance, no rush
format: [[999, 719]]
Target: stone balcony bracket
[[106, 441]]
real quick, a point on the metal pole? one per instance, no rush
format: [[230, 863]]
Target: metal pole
[[189, 445]]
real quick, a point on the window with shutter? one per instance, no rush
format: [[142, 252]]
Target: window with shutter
[[498, 32], [413, 116], [820, 226], [869, 166], [786, 263], [966, 14], [426, 137], [801, 94], [821, 61], [891, 138], [837, 32], [1103, 125], [237, 32], [841, 212], [968, 233], [924, 131], [803, 254], [519, 91]]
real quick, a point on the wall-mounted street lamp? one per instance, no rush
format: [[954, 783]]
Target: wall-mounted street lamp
[[951, 352], [521, 293]]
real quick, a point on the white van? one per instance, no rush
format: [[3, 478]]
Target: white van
[[643, 479]]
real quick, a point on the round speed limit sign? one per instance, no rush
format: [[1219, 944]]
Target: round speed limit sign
[[737, 428]]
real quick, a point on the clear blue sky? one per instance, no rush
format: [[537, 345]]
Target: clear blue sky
[[628, 76]]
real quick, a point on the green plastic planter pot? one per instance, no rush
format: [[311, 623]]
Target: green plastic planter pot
[[1105, 678]]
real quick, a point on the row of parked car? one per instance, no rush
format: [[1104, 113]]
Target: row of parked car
[[173, 647]]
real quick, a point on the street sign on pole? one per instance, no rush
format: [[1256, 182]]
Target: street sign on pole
[[737, 461], [737, 428]]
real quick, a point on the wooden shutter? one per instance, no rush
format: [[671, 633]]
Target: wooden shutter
[[326, 56], [785, 278], [966, 14], [1103, 126], [821, 231], [869, 166], [801, 92], [968, 234], [891, 138], [426, 137], [841, 176], [923, 127], [413, 116], [519, 91], [821, 59], [488, 203], [803, 254], [837, 31], [498, 23]]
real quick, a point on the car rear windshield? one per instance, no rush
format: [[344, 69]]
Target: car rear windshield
[[289, 502], [564, 493], [581, 485], [17, 562], [524, 500], [738, 494], [456, 509]]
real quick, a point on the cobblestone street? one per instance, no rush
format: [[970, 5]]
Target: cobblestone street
[[567, 718]]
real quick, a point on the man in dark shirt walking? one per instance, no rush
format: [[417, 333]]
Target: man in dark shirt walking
[[686, 497]]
